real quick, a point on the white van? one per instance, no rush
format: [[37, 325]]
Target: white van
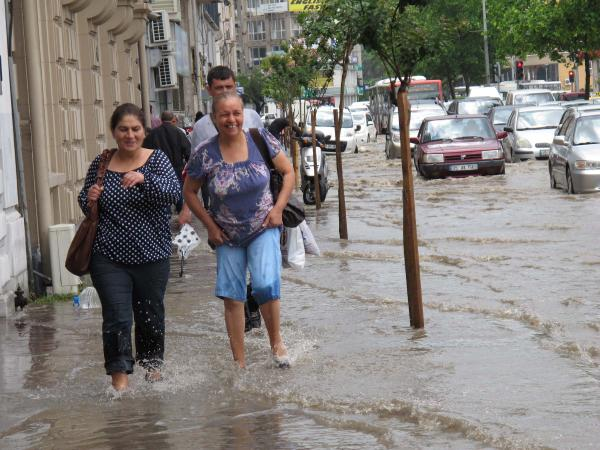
[[484, 91], [535, 96]]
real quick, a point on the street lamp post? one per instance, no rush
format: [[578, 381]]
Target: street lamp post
[[485, 46]]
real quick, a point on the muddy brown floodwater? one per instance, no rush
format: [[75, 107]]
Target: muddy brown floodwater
[[508, 358]]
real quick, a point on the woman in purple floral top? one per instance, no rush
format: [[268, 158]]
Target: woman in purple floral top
[[243, 222]]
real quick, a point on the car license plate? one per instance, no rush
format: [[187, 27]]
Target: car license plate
[[544, 152], [462, 167]]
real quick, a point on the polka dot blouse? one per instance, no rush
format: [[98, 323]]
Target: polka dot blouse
[[134, 222]]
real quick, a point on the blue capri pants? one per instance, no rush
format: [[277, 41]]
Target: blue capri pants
[[262, 257]]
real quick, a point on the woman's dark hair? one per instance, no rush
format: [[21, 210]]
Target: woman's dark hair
[[126, 109], [199, 115]]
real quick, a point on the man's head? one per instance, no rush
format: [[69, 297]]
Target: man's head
[[168, 117], [220, 79]]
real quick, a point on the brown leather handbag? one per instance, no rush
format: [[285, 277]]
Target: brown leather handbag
[[80, 251]]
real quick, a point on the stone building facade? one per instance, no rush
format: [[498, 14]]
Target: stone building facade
[[75, 60]]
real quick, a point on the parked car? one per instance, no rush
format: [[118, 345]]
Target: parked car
[[367, 131], [536, 96], [473, 105], [530, 131], [574, 162], [457, 146], [324, 124], [360, 106], [576, 111], [417, 113], [499, 116]]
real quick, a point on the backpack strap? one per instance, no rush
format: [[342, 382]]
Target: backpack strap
[[262, 147]]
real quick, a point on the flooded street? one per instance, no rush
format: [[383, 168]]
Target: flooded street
[[509, 357]]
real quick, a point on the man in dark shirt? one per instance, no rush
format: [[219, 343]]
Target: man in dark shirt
[[173, 142]]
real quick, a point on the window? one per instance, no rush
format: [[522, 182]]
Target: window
[[256, 30], [295, 29], [276, 49], [253, 4], [257, 53], [278, 29]]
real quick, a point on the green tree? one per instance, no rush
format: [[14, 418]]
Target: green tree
[[254, 86], [404, 33], [334, 31], [288, 73], [460, 48], [565, 30]]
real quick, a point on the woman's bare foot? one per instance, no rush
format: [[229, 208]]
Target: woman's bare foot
[[153, 375], [280, 356], [120, 381]]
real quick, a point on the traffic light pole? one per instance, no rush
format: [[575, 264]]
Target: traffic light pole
[[485, 46]]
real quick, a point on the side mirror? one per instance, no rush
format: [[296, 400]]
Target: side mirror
[[357, 128], [414, 140], [559, 140], [501, 135], [509, 129]]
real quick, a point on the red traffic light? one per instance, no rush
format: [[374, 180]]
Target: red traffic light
[[519, 64], [571, 76]]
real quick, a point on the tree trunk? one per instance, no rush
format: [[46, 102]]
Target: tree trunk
[[409, 228]]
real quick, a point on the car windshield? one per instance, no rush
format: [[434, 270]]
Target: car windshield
[[458, 128], [416, 118], [587, 131], [501, 115], [531, 120], [326, 120], [537, 98], [358, 117], [476, 106]]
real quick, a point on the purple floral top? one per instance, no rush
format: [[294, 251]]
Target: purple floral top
[[240, 198]]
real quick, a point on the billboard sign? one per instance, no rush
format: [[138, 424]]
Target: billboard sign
[[304, 5]]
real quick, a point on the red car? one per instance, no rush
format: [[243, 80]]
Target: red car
[[458, 146]]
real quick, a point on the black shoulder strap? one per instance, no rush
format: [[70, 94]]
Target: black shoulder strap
[[262, 146]]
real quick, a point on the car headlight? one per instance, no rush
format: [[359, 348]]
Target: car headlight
[[491, 154], [587, 165], [433, 158], [522, 142], [396, 137]]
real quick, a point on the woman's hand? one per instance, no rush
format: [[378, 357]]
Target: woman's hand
[[216, 235], [94, 192], [132, 178], [274, 219]]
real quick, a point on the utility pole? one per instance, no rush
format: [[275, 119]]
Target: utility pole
[[485, 46]]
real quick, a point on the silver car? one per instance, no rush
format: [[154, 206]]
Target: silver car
[[574, 162], [530, 132]]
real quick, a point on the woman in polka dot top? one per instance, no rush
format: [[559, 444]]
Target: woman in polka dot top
[[130, 262]]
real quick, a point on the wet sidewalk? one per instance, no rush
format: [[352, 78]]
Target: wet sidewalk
[[509, 357]]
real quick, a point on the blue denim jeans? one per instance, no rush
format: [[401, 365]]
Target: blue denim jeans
[[131, 293]]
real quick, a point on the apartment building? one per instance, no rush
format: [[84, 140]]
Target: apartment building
[[262, 26], [74, 61]]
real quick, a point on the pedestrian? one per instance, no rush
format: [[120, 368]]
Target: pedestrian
[[130, 260], [243, 222], [154, 119], [218, 80], [173, 142]]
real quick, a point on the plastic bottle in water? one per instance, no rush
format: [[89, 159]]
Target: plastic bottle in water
[[76, 302]]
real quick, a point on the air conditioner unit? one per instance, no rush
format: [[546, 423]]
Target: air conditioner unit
[[167, 72], [160, 29]]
